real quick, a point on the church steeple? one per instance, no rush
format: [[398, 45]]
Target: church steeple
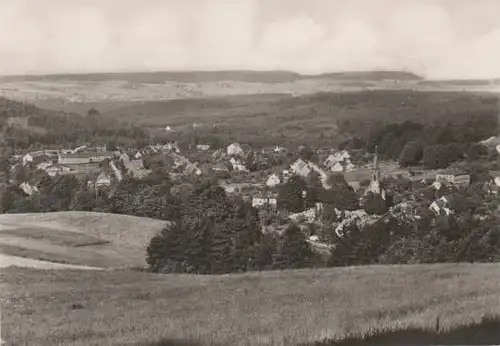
[[375, 184], [376, 167]]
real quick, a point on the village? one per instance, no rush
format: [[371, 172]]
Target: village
[[255, 176]]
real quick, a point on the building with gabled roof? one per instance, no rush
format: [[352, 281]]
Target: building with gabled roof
[[453, 176], [273, 180], [103, 179], [300, 167], [235, 149]]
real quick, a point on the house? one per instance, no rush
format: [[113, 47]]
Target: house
[[74, 158], [308, 215], [263, 202], [237, 165], [101, 156], [134, 167], [203, 147], [191, 169], [301, 168], [339, 156], [453, 176], [337, 167], [441, 205], [28, 188], [273, 180], [116, 171], [101, 148], [356, 176], [235, 149], [57, 169], [34, 157], [171, 147], [219, 153], [103, 180], [220, 167]]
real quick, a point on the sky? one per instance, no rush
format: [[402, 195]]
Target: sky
[[434, 38]]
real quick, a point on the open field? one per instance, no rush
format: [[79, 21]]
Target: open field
[[73, 92], [78, 238], [271, 308]]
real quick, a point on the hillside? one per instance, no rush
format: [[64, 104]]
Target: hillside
[[263, 119], [268, 308], [212, 76], [316, 119], [77, 238]]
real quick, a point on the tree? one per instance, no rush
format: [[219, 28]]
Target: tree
[[374, 204], [437, 156], [306, 153], [290, 194], [314, 189], [411, 154], [166, 251], [5, 196], [340, 195], [476, 151], [84, 199], [295, 252]]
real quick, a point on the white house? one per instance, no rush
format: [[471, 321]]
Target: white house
[[28, 188], [273, 180], [337, 157], [237, 165], [103, 180], [441, 205], [191, 168], [235, 149], [314, 238], [455, 177], [301, 168], [337, 167], [203, 147], [57, 169], [260, 202]]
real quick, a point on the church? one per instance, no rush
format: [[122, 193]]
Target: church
[[375, 186]]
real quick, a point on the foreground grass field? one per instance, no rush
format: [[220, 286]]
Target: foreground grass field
[[121, 307], [78, 238]]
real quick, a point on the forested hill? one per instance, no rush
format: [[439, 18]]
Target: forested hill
[[214, 76], [33, 127]]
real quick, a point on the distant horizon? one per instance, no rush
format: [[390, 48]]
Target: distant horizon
[[263, 71]]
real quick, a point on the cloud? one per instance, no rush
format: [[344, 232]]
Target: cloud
[[435, 37]]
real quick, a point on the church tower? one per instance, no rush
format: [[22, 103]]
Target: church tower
[[375, 185], [376, 168]]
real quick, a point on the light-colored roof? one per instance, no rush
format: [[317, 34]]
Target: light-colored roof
[[452, 171]]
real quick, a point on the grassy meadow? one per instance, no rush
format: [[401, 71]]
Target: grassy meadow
[[78, 238], [122, 307]]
